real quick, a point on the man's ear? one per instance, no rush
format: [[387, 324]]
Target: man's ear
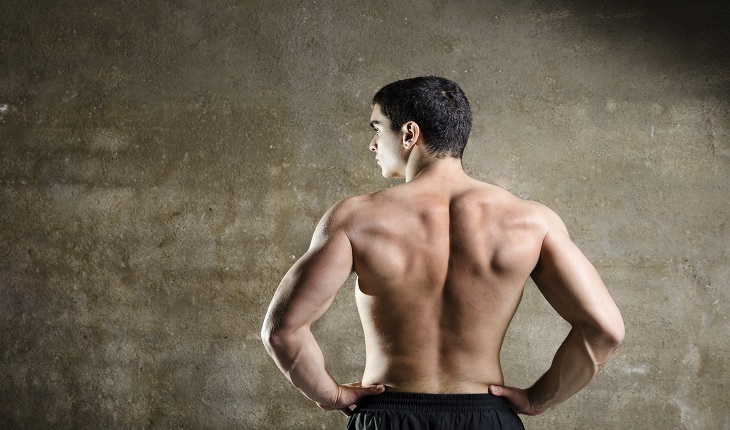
[[411, 134]]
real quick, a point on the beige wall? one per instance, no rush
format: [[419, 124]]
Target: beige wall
[[163, 163]]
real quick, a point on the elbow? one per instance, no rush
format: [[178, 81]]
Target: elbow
[[271, 337], [275, 339], [605, 339], [266, 336], [283, 345], [615, 335], [614, 332], [610, 338]]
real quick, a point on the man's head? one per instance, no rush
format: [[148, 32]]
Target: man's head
[[437, 105]]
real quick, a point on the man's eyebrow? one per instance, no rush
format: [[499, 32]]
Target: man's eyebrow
[[373, 123]]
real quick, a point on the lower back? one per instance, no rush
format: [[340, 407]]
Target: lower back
[[435, 344]]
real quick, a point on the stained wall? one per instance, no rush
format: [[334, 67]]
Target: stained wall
[[163, 163]]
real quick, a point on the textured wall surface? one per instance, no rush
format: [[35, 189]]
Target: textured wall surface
[[163, 163]]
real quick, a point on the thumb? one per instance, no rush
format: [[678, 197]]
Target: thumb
[[370, 390], [375, 389], [516, 397], [497, 390], [357, 393], [507, 392]]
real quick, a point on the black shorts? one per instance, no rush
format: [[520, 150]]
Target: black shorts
[[411, 411]]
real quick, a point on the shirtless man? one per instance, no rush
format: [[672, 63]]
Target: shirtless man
[[441, 264]]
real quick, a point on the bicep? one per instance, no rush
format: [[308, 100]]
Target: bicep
[[310, 286]]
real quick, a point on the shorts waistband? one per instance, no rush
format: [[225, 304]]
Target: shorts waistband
[[420, 402]]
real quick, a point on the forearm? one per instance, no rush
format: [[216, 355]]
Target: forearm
[[580, 357], [300, 358]]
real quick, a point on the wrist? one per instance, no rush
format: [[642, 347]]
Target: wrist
[[330, 394], [536, 407], [332, 400]]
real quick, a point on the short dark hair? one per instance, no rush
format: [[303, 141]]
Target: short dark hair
[[437, 105]]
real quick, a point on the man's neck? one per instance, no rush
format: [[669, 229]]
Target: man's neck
[[421, 165]]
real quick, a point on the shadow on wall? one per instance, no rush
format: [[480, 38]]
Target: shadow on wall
[[691, 33]]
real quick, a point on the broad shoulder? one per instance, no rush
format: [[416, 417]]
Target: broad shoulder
[[544, 217], [514, 208], [548, 219], [345, 211], [355, 213], [352, 205]]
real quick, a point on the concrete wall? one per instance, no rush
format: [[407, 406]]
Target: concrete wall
[[162, 164]]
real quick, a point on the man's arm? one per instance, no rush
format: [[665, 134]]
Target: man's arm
[[303, 296], [574, 289]]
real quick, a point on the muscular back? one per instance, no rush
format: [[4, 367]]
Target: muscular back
[[441, 268]]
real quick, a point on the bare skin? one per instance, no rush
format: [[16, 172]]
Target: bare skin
[[441, 262], [441, 266]]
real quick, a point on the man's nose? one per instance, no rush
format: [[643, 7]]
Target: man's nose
[[373, 145]]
